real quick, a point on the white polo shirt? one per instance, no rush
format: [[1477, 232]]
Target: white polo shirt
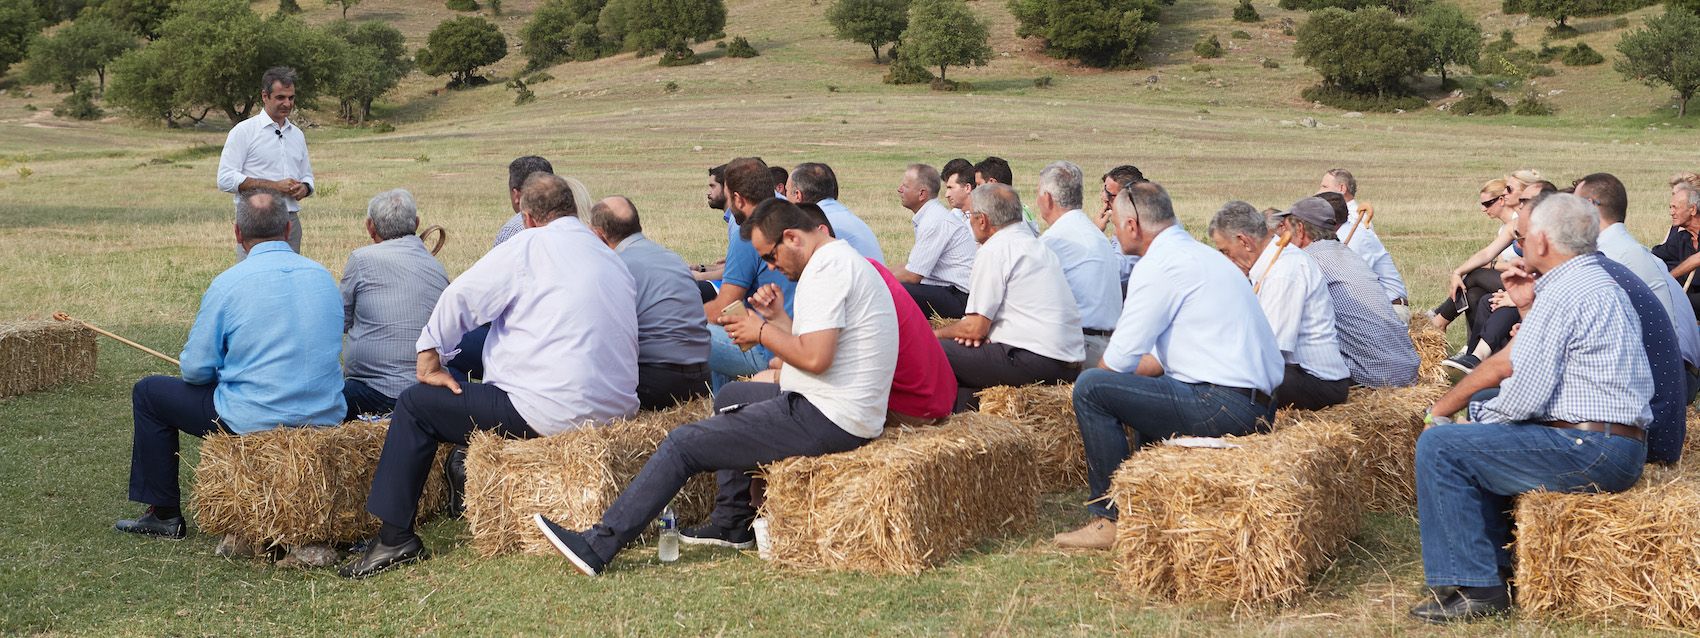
[[943, 254], [259, 148], [1018, 283], [1295, 300], [1091, 266], [840, 290]]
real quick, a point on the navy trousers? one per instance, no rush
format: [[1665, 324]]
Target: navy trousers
[[427, 416], [162, 407], [362, 399]]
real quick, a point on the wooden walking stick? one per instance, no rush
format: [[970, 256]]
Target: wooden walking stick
[[442, 237], [1689, 280], [1280, 245], [60, 316], [1364, 216]]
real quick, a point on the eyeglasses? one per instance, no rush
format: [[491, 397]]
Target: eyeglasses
[[772, 256]]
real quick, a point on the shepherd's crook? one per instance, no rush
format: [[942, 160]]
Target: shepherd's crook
[[60, 316], [1363, 220], [442, 237], [1280, 245]]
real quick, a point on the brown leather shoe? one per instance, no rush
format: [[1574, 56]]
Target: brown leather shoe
[[1098, 534]]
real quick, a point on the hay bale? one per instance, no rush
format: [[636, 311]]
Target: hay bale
[[292, 486], [1432, 348], [1248, 525], [1047, 411], [905, 502], [571, 477], [1388, 420], [36, 355]]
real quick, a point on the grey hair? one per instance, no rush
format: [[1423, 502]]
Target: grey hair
[[1569, 221], [998, 202], [1344, 177], [1063, 181], [1239, 218], [276, 75], [926, 177], [1150, 201], [1690, 192], [262, 222], [393, 214]]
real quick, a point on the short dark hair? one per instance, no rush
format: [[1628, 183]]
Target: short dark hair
[[546, 197], [1124, 174], [815, 181], [818, 217], [774, 216], [718, 173], [262, 222], [1607, 193], [523, 167], [780, 176], [961, 168], [749, 178], [996, 169], [614, 225], [1341, 210], [1544, 186], [276, 75]]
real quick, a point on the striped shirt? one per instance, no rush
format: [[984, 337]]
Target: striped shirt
[[509, 229], [388, 291], [943, 254], [1579, 355], [1376, 344]]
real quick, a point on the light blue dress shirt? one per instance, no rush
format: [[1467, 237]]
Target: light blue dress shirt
[[850, 228], [1091, 267], [671, 326]]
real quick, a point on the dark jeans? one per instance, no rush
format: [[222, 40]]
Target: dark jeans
[[1154, 408], [1480, 283], [943, 301], [1467, 474], [754, 424], [162, 407], [995, 364], [1495, 329], [1299, 389], [426, 416], [362, 399], [470, 360], [664, 385]]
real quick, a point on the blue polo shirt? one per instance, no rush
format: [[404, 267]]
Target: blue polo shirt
[[745, 268]]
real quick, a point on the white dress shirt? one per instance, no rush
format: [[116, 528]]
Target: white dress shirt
[[1019, 285], [943, 254], [1093, 272], [259, 148], [562, 310], [1194, 311], [840, 290], [1368, 245], [1621, 247], [1295, 300]]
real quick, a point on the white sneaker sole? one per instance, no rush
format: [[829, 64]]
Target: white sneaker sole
[[561, 547]]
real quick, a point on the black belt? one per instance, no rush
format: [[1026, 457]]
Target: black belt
[[684, 368], [1610, 429], [1256, 396], [1692, 371], [1094, 332], [1401, 302]]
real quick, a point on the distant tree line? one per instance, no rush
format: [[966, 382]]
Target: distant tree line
[[566, 30]]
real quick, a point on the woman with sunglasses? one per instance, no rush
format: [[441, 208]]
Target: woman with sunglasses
[[1478, 276]]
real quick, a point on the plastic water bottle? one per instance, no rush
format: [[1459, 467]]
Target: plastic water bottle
[[668, 545]]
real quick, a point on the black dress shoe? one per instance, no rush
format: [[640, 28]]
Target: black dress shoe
[[380, 558], [151, 525], [1460, 606], [455, 468]]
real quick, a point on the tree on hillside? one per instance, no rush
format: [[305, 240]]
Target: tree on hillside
[[377, 60], [647, 26], [1556, 10], [144, 86], [458, 46], [1104, 33], [19, 22], [875, 23], [945, 33], [1368, 51], [1451, 36], [1665, 52], [141, 17], [345, 4], [57, 11], [85, 46], [561, 30]]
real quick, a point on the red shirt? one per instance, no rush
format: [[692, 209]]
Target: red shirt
[[923, 385]]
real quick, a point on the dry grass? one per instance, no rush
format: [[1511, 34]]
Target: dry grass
[[37, 355], [1048, 411]]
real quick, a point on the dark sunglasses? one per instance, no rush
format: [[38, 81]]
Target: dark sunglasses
[[772, 256], [1486, 204]]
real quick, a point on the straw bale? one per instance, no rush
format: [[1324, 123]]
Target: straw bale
[[571, 478], [292, 486], [1388, 420], [1432, 348], [1248, 525], [905, 502], [36, 355], [1048, 411]]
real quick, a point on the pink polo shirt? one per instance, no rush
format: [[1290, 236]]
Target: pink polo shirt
[[923, 385]]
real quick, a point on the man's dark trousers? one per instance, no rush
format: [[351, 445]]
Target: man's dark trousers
[[1302, 390], [943, 301], [995, 364], [426, 416], [162, 407], [664, 385]]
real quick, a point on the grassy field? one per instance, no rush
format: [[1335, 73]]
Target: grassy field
[[120, 223]]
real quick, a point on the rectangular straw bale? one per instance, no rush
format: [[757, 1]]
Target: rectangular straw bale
[[1432, 348], [1388, 420], [571, 478], [37, 355], [298, 485], [1630, 558], [1247, 525], [1047, 410], [905, 502]]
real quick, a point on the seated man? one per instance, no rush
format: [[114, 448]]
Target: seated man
[[672, 333], [1022, 325], [1569, 417], [562, 355], [261, 355], [1682, 243], [815, 183], [1089, 265], [839, 353], [388, 291], [1113, 181], [943, 255], [748, 183], [1366, 243], [1375, 343], [518, 170], [1294, 299], [1192, 354]]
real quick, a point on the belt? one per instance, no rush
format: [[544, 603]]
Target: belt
[[1094, 332], [1610, 429], [1692, 371], [1256, 396], [686, 368], [1401, 302]]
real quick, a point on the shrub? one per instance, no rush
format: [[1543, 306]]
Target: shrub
[[562, 30], [538, 77], [647, 26], [1533, 105], [1208, 47], [1102, 33], [1271, 63], [1401, 7], [458, 46], [741, 48], [945, 33], [1369, 51], [906, 71], [1202, 68], [1549, 52], [1582, 55], [678, 54], [1042, 82], [288, 7], [1480, 103], [875, 23], [1240, 35], [79, 105], [462, 5], [1244, 12], [522, 93], [1350, 101]]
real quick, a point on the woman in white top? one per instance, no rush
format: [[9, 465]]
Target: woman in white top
[[1478, 277]]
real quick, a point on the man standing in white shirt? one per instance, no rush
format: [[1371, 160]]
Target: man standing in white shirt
[[1192, 354], [1089, 265], [839, 350], [943, 255], [1294, 298], [562, 354], [269, 151], [1022, 325], [1366, 243]]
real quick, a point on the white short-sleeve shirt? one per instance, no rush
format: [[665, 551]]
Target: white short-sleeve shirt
[[1019, 285], [943, 254], [840, 290]]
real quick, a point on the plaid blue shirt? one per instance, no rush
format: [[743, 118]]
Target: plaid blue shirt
[[1376, 344], [1579, 355]]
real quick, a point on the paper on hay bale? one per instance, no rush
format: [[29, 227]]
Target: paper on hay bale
[[298, 485], [570, 477], [905, 502], [1246, 525], [36, 355], [1432, 348], [1388, 420], [1047, 410]]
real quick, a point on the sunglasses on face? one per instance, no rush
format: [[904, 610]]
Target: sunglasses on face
[[772, 256], [1488, 203]]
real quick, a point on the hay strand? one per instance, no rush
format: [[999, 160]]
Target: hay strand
[[37, 355], [1048, 412], [1432, 348]]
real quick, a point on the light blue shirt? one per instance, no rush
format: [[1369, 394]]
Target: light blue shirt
[[1621, 247], [269, 333], [850, 228], [1091, 267], [1367, 244], [1194, 311], [745, 269]]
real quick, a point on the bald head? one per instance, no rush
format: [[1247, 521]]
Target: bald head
[[615, 218]]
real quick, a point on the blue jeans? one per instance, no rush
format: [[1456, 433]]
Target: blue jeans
[[1155, 408], [726, 362], [1467, 474]]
